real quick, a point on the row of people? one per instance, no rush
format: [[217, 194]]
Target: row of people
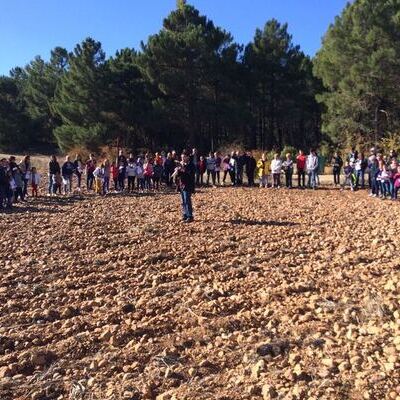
[[147, 172]]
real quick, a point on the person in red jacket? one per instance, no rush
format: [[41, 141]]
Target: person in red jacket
[[114, 174], [301, 169], [202, 169]]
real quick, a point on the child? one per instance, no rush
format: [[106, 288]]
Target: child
[[19, 184], [263, 170], [35, 179], [396, 183], [349, 176], [225, 167], [157, 174], [140, 175], [98, 179], [384, 179], [276, 168], [57, 182], [288, 168], [148, 173], [106, 176], [218, 162], [114, 174], [202, 169]]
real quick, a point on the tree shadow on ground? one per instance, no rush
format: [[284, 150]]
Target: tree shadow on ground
[[249, 222]]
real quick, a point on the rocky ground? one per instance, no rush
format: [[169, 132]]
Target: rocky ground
[[268, 295]]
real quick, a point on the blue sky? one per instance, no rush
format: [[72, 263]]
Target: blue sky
[[33, 27]]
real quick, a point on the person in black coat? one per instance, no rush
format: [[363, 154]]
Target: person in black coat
[[251, 165], [54, 169], [185, 174]]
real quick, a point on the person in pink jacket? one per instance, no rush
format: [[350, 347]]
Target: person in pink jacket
[[148, 173]]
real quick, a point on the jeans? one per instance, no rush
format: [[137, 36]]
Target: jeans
[[19, 193], [79, 176], [264, 181], [187, 209], [288, 178], [232, 176], [212, 173], [131, 183], [89, 181], [277, 180], [301, 178], [336, 175], [348, 180], [374, 185], [68, 184], [384, 188], [106, 184], [360, 177], [312, 179], [396, 192], [121, 181], [218, 176], [52, 178], [140, 183], [25, 189], [147, 182]]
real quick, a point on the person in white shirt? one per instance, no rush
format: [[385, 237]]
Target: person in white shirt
[[35, 181], [312, 169], [276, 169]]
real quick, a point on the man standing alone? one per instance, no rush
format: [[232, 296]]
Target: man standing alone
[[185, 174]]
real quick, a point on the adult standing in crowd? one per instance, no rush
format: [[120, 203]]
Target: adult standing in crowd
[[4, 185], [54, 170], [301, 160], [78, 169], [312, 169], [251, 165], [210, 165], [337, 164], [67, 172], [90, 167], [195, 159], [233, 166], [218, 165], [288, 168], [25, 168], [169, 167], [276, 169], [122, 164]]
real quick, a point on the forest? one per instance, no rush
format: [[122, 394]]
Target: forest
[[191, 84]]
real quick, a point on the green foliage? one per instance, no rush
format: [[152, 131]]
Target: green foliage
[[14, 124], [80, 96], [359, 64], [282, 89], [190, 85]]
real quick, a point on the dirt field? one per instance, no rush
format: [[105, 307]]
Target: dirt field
[[269, 294]]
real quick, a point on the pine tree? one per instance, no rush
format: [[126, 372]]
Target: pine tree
[[359, 64], [79, 99]]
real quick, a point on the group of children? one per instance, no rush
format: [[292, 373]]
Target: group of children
[[383, 172], [16, 179], [148, 172]]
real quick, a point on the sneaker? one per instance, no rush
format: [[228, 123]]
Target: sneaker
[[189, 220]]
